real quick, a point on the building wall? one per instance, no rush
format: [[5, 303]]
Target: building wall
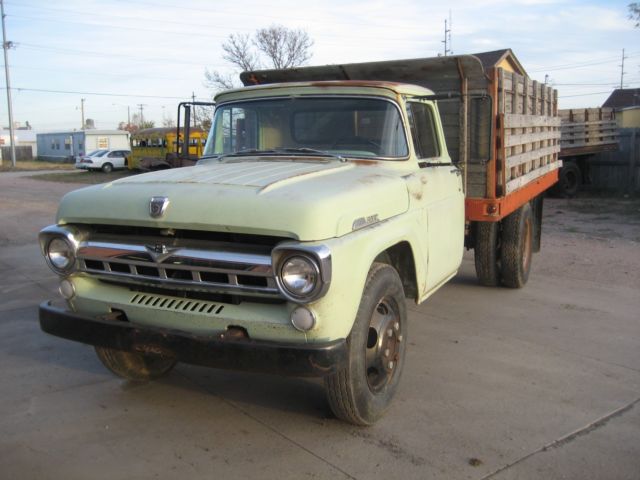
[[59, 146], [68, 146], [628, 118], [619, 171], [95, 141]]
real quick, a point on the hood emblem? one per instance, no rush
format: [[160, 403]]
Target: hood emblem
[[157, 206]]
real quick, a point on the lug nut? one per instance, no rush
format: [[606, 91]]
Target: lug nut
[[399, 338], [386, 352], [389, 333], [396, 326], [390, 365]]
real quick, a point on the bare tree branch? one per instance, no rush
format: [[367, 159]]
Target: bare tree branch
[[285, 47], [218, 81], [237, 50], [634, 13], [280, 47]]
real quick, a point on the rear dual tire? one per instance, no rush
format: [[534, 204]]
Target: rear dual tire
[[503, 250]]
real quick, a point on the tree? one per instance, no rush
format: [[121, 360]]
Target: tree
[[271, 47], [168, 122], [634, 13]]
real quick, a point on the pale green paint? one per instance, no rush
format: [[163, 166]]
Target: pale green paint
[[313, 201]]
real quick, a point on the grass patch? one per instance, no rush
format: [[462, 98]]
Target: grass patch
[[86, 177], [27, 166]]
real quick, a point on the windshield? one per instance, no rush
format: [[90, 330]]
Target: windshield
[[357, 127], [97, 153]]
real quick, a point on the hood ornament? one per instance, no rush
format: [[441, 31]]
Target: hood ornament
[[157, 206], [159, 252]]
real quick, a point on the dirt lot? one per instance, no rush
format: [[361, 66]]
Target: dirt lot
[[542, 382]]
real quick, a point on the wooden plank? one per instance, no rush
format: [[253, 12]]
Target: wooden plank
[[586, 144], [526, 121], [608, 123], [520, 182], [516, 160], [523, 138]]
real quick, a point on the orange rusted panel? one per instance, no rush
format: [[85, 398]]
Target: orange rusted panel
[[494, 210]]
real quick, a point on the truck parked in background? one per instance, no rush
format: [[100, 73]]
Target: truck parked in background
[[326, 198], [585, 132]]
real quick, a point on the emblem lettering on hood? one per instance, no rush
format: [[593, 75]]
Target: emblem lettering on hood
[[157, 206], [364, 221]]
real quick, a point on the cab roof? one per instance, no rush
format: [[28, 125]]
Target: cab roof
[[384, 88]]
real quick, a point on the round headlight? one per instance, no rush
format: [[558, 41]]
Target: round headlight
[[299, 276], [61, 254]]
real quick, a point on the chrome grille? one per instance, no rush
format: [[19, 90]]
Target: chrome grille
[[224, 269]]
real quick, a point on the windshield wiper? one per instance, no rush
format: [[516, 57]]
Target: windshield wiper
[[312, 151], [277, 151]]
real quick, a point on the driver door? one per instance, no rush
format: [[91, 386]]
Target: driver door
[[441, 198]]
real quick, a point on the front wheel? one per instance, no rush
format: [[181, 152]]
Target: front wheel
[[107, 168], [135, 366], [362, 390]]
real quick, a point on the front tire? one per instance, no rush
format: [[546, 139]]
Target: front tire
[[361, 392], [135, 366], [107, 168]]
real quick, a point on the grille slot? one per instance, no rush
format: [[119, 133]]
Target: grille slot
[[194, 306], [237, 270]]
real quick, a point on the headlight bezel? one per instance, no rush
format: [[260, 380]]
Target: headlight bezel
[[67, 235], [318, 256]]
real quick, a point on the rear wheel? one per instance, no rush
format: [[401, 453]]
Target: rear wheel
[[516, 248], [569, 181], [486, 253], [362, 390], [135, 366], [107, 167]]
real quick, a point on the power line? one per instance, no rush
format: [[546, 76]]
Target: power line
[[49, 18], [580, 64], [584, 94], [72, 51], [103, 94]]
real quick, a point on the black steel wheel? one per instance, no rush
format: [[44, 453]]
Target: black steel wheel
[[516, 250], [362, 391], [569, 181], [135, 366]]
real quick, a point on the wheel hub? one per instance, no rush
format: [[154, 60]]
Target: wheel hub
[[383, 345]]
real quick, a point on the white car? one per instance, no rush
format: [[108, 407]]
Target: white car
[[105, 160]]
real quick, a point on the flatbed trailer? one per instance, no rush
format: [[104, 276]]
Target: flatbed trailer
[[585, 132], [502, 130]]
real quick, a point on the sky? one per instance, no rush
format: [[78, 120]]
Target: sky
[[155, 52]]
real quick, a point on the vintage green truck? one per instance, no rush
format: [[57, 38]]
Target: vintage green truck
[[327, 197]]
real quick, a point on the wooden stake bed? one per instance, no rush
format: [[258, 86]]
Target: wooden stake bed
[[508, 153]]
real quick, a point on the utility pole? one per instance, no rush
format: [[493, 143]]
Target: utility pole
[[447, 36], [6, 46], [622, 71], [195, 114], [141, 107], [82, 112]]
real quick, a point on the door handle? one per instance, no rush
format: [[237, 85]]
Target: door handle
[[457, 171]]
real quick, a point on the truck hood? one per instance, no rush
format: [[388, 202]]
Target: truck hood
[[310, 199]]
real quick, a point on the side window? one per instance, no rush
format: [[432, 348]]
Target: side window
[[423, 130]]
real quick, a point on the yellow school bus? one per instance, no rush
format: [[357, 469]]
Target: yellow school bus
[[157, 148]]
